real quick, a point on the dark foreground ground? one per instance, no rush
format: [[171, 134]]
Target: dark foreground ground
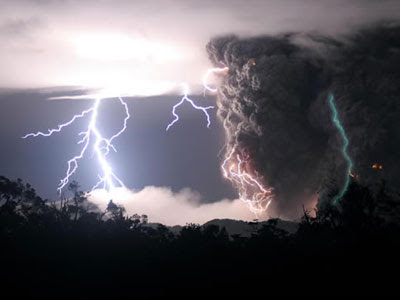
[[67, 251]]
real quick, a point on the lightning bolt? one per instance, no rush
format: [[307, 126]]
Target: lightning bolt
[[186, 98], [336, 121], [101, 146], [251, 191]]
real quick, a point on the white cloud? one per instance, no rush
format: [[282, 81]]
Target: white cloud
[[38, 38], [164, 206]]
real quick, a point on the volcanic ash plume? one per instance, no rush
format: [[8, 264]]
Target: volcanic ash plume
[[273, 103]]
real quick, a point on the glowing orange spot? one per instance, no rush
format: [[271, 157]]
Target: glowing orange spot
[[252, 62], [352, 175]]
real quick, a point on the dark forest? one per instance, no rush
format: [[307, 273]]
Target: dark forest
[[66, 248]]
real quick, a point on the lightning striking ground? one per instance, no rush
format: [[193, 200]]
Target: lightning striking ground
[[101, 146], [336, 121]]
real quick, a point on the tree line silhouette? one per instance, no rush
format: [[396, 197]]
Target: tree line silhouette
[[71, 248]]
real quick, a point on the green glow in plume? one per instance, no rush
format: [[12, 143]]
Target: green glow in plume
[[346, 156]]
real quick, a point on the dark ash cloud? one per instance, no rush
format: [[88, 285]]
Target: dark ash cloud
[[273, 104]]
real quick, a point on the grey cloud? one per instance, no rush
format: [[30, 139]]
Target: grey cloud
[[20, 27]]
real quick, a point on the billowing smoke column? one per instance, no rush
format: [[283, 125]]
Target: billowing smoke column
[[274, 104]]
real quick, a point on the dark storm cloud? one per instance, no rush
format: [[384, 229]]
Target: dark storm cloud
[[273, 104]]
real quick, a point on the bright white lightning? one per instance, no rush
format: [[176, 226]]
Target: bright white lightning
[[251, 191], [101, 146], [186, 98]]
